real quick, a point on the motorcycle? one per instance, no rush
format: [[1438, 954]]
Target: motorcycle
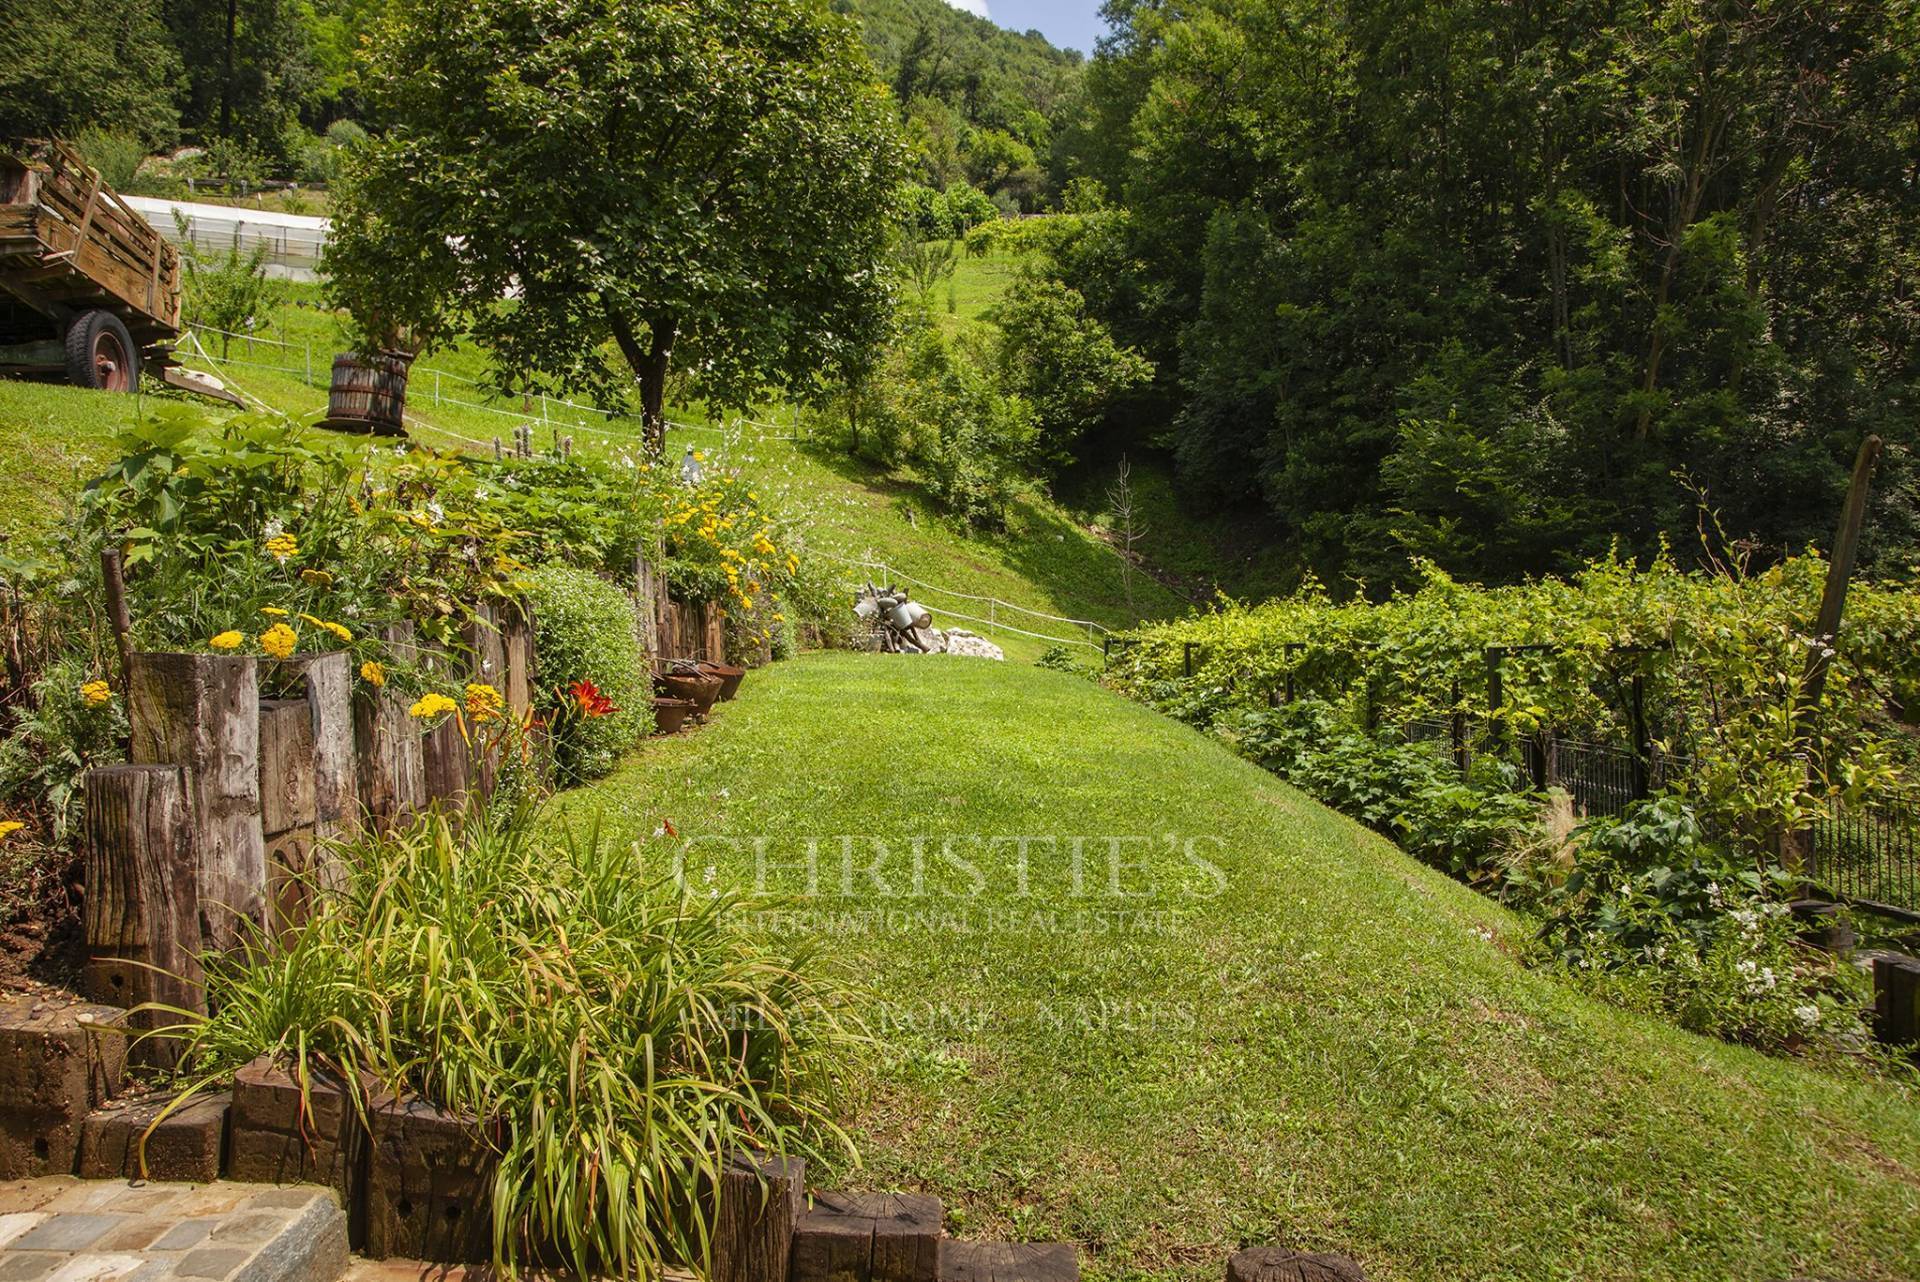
[[901, 624]]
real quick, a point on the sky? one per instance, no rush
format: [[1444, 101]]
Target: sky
[[1071, 24]]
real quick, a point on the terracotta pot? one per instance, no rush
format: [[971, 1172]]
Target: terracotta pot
[[730, 678], [670, 714], [701, 690]]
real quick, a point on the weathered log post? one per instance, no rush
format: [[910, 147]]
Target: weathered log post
[[649, 598], [309, 792], [516, 635], [759, 1201], [142, 910], [444, 754], [202, 712], [486, 644], [387, 746]]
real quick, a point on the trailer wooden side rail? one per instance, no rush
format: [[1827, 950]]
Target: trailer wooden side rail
[[87, 287]]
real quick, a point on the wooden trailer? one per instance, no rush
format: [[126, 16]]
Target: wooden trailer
[[88, 289]]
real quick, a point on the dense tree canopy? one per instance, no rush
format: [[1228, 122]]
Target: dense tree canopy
[[1477, 279], [68, 65], [715, 177]]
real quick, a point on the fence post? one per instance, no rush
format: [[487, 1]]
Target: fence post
[[309, 362], [1457, 729], [1642, 749], [1495, 694], [1186, 657]]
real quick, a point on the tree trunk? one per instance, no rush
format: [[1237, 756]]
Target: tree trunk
[[650, 365]]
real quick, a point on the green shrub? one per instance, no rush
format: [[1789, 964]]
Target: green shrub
[[621, 1033], [583, 630], [1408, 791], [1657, 915], [115, 154]]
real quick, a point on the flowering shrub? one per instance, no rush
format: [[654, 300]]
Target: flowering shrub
[[1655, 914], [584, 641]]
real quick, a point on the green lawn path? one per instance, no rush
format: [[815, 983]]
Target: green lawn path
[[1336, 1050]]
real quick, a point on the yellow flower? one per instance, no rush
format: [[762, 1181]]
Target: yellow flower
[[700, 456], [339, 630], [279, 641], [318, 578], [273, 612], [431, 705], [10, 827], [282, 546], [373, 674], [228, 640], [96, 693], [484, 702]]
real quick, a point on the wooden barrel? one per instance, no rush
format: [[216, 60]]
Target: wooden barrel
[[368, 394]]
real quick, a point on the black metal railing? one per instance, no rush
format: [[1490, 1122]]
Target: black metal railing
[[1869, 855]]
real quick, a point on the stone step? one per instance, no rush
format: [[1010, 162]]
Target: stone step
[[868, 1237], [65, 1230], [1008, 1261]]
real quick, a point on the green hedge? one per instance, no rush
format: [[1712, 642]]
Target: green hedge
[[583, 628]]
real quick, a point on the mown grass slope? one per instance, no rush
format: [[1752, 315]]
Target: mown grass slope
[[1327, 1045]]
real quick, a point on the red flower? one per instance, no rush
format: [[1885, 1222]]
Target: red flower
[[591, 702]]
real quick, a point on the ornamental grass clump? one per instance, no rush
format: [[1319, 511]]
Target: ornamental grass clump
[[619, 1035]]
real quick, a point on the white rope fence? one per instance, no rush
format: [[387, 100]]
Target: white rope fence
[[995, 606], [426, 383]]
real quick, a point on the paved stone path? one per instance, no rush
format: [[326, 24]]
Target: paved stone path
[[66, 1230]]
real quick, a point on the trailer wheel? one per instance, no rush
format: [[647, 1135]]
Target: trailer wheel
[[101, 354]]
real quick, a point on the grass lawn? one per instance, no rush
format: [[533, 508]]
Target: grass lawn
[[58, 438], [1327, 1045]]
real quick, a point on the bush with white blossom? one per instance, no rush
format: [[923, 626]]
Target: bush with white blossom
[[1657, 916]]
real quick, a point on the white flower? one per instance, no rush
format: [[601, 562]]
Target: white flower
[[435, 511], [1808, 1015], [1747, 966], [274, 528]]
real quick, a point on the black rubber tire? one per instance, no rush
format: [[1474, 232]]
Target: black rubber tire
[[89, 333]]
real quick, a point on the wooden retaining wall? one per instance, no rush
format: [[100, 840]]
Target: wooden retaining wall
[[218, 835]]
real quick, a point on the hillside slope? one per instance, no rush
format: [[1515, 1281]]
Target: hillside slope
[[1326, 1045], [1046, 560]]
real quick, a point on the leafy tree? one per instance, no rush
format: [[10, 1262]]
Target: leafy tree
[[715, 175], [249, 67], [71, 64], [925, 263], [228, 289], [1573, 249], [1062, 362]]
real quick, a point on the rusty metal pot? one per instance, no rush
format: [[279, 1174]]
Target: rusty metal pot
[[730, 677], [670, 714], [700, 690]]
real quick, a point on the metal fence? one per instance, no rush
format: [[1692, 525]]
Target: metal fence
[[1870, 856]]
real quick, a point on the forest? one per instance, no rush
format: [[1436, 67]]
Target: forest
[[1500, 284]]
